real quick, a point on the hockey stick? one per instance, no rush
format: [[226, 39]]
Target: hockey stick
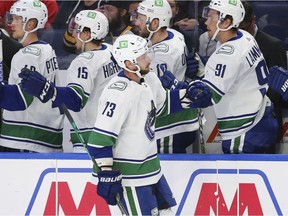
[[80, 137], [195, 38]]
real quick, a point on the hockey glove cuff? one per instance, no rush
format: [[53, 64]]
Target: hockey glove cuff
[[278, 81], [195, 65], [169, 81]]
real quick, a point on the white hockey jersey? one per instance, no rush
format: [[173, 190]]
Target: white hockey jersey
[[88, 74], [39, 127], [236, 74], [172, 52], [126, 121]]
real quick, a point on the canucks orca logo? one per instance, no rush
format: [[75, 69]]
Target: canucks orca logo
[[150, 122]]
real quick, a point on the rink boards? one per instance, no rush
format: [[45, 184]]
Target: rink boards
[[59, 184]]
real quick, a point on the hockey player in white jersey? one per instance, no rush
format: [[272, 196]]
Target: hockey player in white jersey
[[28, 125], [170, 55], [88, 73], [235, 83], [123, 140]]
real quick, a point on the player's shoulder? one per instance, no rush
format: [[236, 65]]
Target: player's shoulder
[[36, 49], [172, 46]]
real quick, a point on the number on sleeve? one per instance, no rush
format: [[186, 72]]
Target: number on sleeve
[[82, 72], [109, 109], [220, 70]]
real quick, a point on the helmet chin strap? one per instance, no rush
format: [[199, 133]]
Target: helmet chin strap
[[83, 42], [26, 33], [150, 31], [219, 29], [137, 72]]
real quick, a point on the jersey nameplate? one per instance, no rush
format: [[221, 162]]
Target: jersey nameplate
[[32, 50], [87, 55], [161, 48], [226, 49], [120, 85]]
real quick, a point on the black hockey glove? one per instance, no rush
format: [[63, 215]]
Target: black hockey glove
[[109, 185], [37, 85]]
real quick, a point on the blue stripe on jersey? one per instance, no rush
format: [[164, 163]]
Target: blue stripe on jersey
[[106, 132], [235, 129], [82, 129], [239, 116], [131, 160], [214, 87]]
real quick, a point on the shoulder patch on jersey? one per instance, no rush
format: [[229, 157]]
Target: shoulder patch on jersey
[[226, 49], [32, 50], [119, 85], [161, 48], [87, 55]]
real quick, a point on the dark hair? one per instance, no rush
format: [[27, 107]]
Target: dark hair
[[249, 13]]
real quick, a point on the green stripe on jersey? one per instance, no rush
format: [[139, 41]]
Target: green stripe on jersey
[[28, 98], [80, 91], [101, 139], [236, 145], [185, 115], [131, 168], [215, 96], [34, 133], [227, 124], [75, 139]]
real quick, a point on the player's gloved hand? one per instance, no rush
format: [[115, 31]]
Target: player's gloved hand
[[195, 65], [192, 66], [199, 94], [109, 185], [169, 81], [37, 85], [278, 81]]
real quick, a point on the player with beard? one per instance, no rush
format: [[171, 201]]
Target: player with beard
[[153, 20], [118, 16]]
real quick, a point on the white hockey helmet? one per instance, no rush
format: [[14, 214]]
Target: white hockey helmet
[[96, 21], [129, 47], [156, 9], [234, 8], [30, 9]]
